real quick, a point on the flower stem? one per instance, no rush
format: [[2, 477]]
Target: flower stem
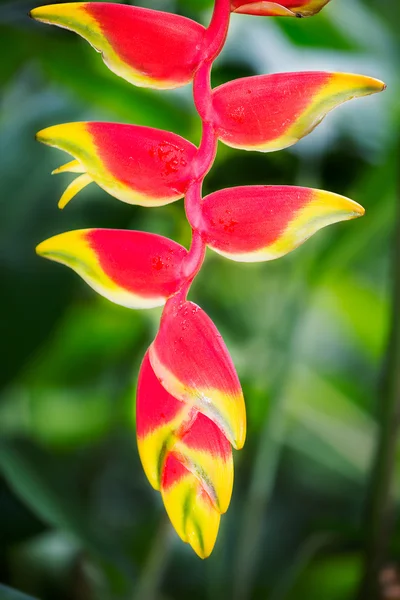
[[217, 31], [194, 259], [202, 94]]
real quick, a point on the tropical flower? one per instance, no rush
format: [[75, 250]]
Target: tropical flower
[[190, 409]]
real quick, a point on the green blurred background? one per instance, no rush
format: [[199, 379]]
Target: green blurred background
[[308, 333]]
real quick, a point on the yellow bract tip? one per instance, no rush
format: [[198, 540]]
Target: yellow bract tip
[[76, 186], [55, 13], [64, 247], [72, 167], [361, 84]]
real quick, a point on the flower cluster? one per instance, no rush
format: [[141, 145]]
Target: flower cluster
[[190, 406]]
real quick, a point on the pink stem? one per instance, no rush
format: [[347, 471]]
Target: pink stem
[[195, 257], [213, 43], [202, 93], [217, 31]]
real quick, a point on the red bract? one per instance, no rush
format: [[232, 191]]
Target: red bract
[[146, 47], [282, 8], [132, 268], [190, 406], [193, 452], [271, 112], [192, 362], [138, 165], [257, 223]]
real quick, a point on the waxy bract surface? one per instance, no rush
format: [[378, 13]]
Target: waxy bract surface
[[257, 223], [132, 268], [164, 423], [138, 165], [192, 362], [146, 47], [200, 476], [272, 112]]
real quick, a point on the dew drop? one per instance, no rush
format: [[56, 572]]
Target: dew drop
[[157, 263]]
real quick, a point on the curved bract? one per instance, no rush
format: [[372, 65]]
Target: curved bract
[[146, 47], [135, 164], [282, 8], [272, 112], [132, 268], [191, 360], [259, 223], [173, 438]]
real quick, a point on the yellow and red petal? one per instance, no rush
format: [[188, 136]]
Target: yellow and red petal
[[192, 362], [138, 165], [131, 268], [271, 112], [258, 223], [148, 48], [206, 453], [189, 507], [282, 8], [158, 417], [165, 424]]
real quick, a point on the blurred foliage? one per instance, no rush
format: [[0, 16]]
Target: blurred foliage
[[308, 333]]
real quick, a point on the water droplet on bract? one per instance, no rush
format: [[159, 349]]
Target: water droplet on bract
[[157, 263]]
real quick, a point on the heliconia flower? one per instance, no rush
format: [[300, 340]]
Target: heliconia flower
[[187, 457], [259, 223], [138, 165], [271, 112], [132, 268], [164, 423], [148, 48], [282, 8], [193, 364]]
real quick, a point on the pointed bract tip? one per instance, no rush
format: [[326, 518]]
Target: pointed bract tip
[[380, 86], [42, 248], [359, 210], [41, 137], [372, 84], [53, 12]]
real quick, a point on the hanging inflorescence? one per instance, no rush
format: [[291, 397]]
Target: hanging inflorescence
[[190, 406]]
